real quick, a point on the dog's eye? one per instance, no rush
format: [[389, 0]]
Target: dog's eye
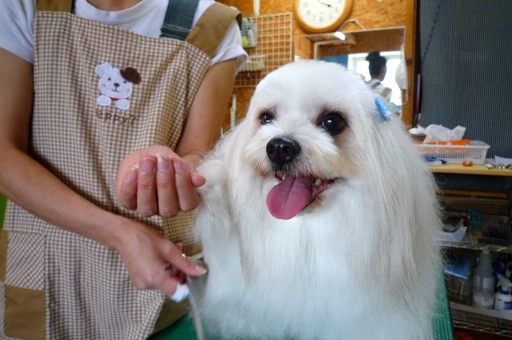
[[266, 117], [333, 123]]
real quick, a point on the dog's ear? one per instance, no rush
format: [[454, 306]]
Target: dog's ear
[[404, 202], [103, 69], [132, 75], [213, 221]]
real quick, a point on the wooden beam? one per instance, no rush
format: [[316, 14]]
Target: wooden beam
[[410, 59], [472, 193]]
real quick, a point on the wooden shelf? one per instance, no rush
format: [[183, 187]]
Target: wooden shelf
[[469, 170], [467, 317]]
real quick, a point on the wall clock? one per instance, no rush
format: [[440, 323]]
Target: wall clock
[[319, 16]]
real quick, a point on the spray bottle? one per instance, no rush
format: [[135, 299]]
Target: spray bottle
[[484, 282], [503, 299]]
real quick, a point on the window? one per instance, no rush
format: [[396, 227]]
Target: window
[[358, 64]]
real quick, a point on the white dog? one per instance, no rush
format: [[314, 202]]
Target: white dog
[[319, 217]]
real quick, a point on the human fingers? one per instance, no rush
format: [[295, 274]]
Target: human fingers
[[176, 259], [127, 177], [182, 278], [173, 271], [176, 273], [187, 195], [127, 189], [196, 179], [146, 187], [168, 204]]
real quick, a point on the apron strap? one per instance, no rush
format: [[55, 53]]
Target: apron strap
[[211, 28], [179, 18], [56, 6], [374, 86]]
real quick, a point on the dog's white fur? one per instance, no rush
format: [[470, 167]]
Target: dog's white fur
[[361, 261]]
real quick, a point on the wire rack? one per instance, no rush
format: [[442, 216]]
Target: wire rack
[[272, 48], [482, 320]]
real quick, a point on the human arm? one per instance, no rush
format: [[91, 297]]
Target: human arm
[[30, 185], [143, 186]]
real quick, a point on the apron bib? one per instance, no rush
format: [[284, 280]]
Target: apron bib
[[101, 92]]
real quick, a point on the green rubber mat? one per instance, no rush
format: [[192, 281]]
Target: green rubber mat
[[3, 203], [183, 329], [443, 329]]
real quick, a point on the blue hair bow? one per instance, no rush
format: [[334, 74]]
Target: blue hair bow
[[382, 109]]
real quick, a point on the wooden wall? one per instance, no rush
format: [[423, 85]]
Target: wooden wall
[[371, 14]]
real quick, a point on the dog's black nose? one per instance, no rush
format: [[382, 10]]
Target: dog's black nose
[[282, 150]]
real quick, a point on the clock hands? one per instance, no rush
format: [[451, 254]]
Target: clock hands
[[325, 4]]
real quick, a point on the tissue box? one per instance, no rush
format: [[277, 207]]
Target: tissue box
[[475, 152]]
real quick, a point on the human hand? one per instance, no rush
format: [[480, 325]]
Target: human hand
[[152, 261], [157, 181]]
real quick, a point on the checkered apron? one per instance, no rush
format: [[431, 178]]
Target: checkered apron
[[55, 284]]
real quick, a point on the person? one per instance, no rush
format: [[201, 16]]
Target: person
[[378, 70], [144, 81]]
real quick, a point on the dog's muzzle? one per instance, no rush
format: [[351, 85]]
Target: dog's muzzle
[[282, 150]]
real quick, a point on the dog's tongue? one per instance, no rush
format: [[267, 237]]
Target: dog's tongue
[[289, 197]]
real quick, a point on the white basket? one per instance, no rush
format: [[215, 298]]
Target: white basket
[[254, 63], [476, 152]]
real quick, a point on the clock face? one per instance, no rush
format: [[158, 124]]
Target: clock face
[[322, 15]]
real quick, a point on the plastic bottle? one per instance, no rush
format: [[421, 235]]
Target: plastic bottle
[[474, 223], [503, 299], [252, 37], [483, 282], [508, 269]]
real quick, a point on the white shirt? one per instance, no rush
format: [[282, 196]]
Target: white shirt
[[17, 19]]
